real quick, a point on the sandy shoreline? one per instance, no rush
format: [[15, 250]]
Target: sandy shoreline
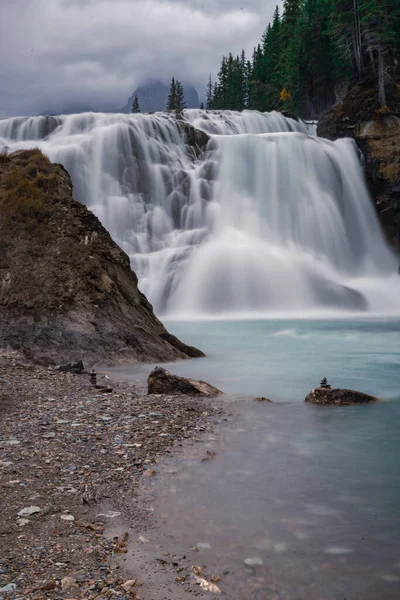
[[78, 456]]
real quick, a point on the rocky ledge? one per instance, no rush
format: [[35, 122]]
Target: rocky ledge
[[338, 397], [376, 131], [67, 291]]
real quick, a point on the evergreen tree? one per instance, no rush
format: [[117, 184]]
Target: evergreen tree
[[135, 105], [308, 54], [180, 103], [171, 102], [209, 94], [202, 106]]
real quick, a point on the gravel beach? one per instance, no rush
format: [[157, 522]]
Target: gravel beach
[[72, 459]]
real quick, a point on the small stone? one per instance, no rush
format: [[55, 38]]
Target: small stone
[[28, 511], [110, 514], [203, 546], [263, 399], [337, 550], [67, 517], [22, 522], [206, 585], [253, 561], [143, 539], [68, 583], [7, 589], [49, 585], [129, 585]]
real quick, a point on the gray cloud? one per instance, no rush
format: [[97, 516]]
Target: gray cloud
[[62, 53]]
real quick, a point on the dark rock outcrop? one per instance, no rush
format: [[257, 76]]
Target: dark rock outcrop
[[161, 381], [376, 131], [76, 368], [338, 397], [190, 351], [195, 138], [66, 289]]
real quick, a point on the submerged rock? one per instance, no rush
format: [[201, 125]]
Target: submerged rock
[[66, 289], [338, 397], [161, 381]]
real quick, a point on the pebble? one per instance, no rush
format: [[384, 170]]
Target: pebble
[[67, 583], [280, 547], [337, 550], [203, 546], [253, 561], [7, 589], [28, 511], [67, 517]]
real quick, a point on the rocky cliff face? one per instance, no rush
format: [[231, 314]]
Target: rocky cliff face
[[66, 289], [377, 134]]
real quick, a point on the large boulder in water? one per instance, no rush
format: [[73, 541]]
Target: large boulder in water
[[161, 381], [67, 291], [338, 397]]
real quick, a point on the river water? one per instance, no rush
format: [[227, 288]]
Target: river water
[[310, 493]]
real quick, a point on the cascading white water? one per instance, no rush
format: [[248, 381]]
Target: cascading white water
[[267, 219]]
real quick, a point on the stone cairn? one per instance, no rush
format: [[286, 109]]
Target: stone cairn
[[93, 377], [324, 384]]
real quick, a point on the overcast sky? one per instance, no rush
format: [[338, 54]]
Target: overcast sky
[[56, 54]]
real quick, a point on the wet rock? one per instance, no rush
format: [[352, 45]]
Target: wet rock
[[190, 351], [196, 138], [161, 381], [263, 399], [338, 397]]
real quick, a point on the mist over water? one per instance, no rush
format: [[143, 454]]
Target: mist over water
[[267, 220]]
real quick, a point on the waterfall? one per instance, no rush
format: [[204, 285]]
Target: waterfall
[[260, 217]]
